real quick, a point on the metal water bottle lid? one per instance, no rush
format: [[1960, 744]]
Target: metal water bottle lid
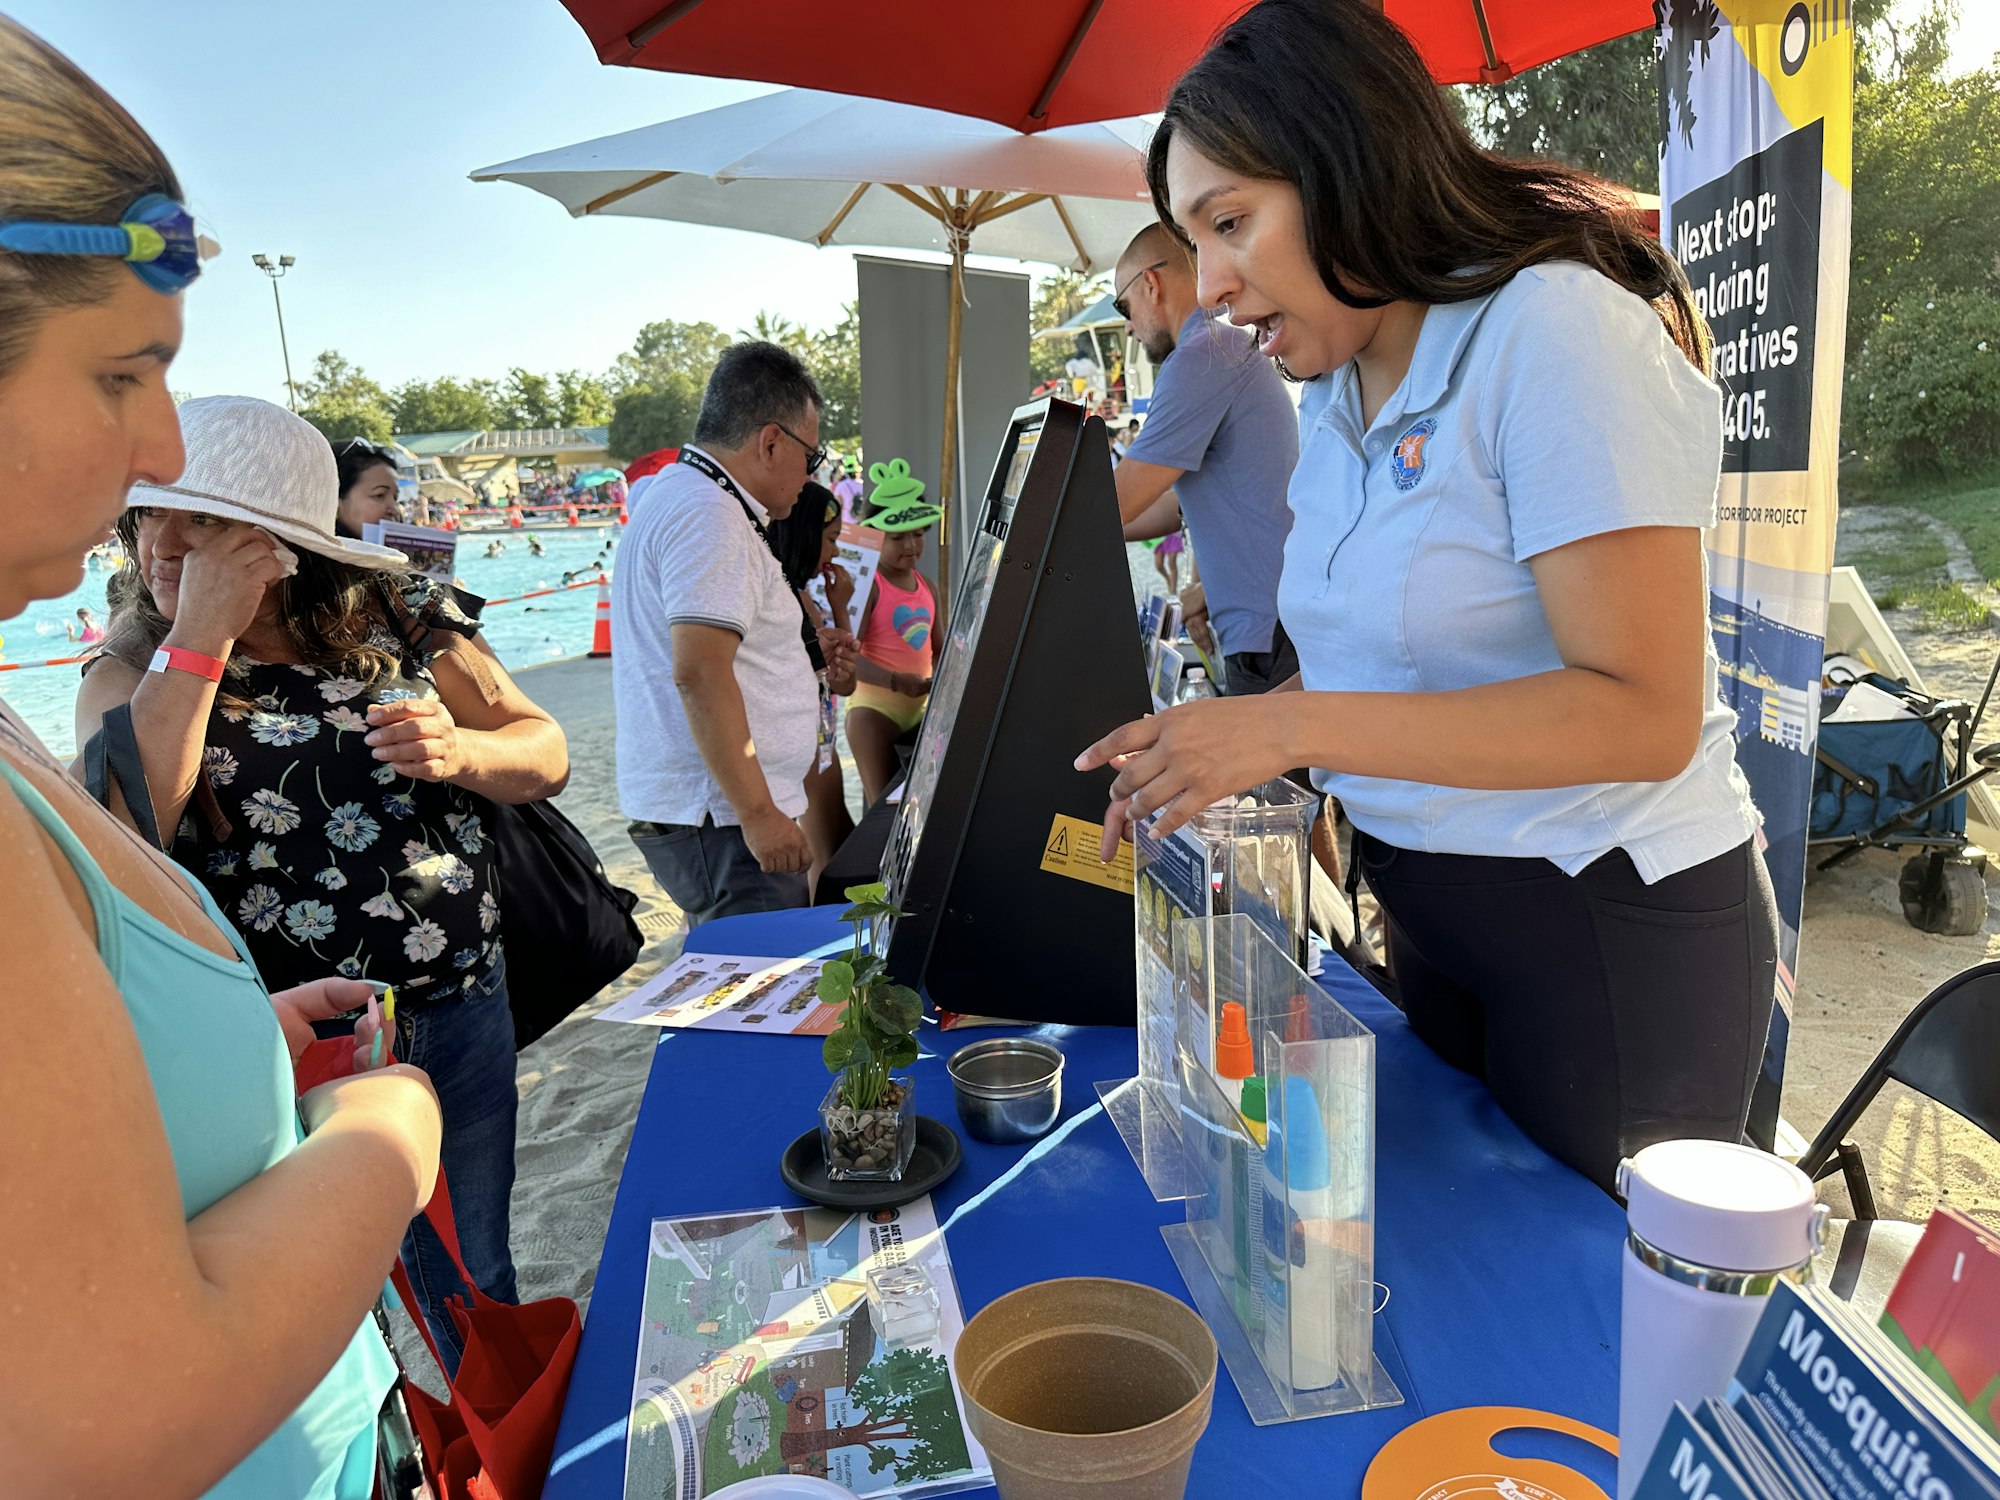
[[1717, 1204]]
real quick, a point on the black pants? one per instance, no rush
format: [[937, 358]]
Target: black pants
[[1252, 672], [1604, 1013]]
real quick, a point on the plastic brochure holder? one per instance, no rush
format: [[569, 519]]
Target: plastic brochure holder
[[1250, 855], [1279, 1245]]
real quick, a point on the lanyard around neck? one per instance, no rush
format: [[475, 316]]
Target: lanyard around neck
[[707, 467]]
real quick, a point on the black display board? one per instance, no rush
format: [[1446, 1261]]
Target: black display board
[[1041, 657]]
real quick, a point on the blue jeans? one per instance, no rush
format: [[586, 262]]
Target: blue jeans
[[710, 871], [467, 1047]]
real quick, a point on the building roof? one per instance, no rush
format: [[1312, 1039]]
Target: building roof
[[1099, 314], [529, 440], [432, 444]]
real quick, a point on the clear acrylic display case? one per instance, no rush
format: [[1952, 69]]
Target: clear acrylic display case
[[1250, 855], [1278, 1144]]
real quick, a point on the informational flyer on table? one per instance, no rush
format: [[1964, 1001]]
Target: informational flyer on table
[[759, 1354], [726, 992]]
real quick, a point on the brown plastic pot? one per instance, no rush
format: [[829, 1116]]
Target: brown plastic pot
[[1086, 1388]]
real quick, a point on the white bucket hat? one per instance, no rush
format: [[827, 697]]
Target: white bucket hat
[[248, 460]]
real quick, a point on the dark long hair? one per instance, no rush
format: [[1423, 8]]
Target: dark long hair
[[797, 539], [327, 609], [1401, 204]]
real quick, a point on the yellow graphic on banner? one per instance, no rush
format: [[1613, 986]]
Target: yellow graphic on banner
[[1071, 850], [1806, 54]]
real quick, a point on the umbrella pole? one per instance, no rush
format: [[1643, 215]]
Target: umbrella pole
[[960, 233]]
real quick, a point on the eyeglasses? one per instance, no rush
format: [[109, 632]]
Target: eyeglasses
[[1118, 302], [366, 445], [814, 456], [155, 236]]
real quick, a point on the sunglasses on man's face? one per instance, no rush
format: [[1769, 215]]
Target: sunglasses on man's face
[[814, 456], [1118, 302]]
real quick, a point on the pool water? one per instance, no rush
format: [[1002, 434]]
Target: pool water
[[534, 630]]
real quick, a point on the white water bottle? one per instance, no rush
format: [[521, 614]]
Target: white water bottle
[[1197, 685], [1713, 1227]]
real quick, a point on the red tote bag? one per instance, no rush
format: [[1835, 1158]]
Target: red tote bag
[[493, 1438]]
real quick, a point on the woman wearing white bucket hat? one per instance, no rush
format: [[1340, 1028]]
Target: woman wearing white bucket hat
[[354, 738], [162, 1214]]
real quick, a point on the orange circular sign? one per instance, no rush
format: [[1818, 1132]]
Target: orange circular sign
[[1451, 1457]]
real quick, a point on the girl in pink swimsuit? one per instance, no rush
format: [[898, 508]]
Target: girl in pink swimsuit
[[898, 625]]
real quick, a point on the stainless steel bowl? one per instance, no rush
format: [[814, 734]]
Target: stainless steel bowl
[[1008, 1089]]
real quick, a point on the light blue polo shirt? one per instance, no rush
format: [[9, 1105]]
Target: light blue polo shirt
[[1552, 410], [1220, 414]]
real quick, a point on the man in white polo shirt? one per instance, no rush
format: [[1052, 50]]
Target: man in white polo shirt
[[717, 701]]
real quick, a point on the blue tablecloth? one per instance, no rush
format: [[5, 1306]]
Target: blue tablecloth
[[1502, 1265]]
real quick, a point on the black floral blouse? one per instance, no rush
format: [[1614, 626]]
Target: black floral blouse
[[334, 862]]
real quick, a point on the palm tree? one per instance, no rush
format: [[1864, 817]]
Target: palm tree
[[773, 329]]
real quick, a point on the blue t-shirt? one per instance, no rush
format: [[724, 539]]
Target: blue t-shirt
[[1549, 411], [1219, 413]]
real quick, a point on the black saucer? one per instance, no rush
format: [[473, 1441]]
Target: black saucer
[[934, 1158]]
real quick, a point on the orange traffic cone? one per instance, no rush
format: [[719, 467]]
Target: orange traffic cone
[[600, 635]]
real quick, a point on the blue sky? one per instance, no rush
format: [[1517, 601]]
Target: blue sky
[[342, 133]]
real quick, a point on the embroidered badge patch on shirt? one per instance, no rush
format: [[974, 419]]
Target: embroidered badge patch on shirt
[[1406, 464]]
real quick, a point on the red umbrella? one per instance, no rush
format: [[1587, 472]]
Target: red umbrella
[[652, 463], [1035, 66]]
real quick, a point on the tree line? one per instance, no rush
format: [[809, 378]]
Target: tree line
[[648, 398]]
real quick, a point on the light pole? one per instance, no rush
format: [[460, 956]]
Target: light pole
[[285, 263]]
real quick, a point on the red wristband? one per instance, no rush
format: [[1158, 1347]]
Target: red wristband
[[180, 659]]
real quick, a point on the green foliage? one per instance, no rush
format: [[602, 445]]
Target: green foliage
[[1058, 298], [912, 1388], [568, 398], [1923, 390], [443, 405], [1971, 507], [773, 329], [1892, 42], [656, 385], [877, 1033], [834, 357], [645, 419], [1926, 193], [655, 388], [581, 400], [1598, 109], [342, 402], [1946, 606]]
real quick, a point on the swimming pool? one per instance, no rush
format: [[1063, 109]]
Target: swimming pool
[[534, 630]]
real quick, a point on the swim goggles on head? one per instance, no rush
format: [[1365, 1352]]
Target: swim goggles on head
[[155, 235]]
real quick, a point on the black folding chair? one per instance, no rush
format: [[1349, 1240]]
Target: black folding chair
[[1948, 1049]]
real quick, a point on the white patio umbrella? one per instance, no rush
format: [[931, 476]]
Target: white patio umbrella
[[832, 170]]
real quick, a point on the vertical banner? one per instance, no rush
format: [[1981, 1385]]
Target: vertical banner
[[1756, 174]]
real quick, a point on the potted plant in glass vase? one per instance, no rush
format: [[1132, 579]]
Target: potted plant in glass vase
[[868, 1120]]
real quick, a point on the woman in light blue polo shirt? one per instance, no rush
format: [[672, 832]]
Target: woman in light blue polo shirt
[[1495, 580]]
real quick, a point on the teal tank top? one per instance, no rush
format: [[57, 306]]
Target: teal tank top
[[223, 1079]]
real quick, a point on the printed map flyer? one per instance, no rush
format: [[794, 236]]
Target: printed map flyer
[[758, 1355], [721, 992]]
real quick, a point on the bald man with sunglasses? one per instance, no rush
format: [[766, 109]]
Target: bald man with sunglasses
[[1215, 455]]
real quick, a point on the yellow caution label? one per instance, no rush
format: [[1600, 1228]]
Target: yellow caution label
[[1071, 850]]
